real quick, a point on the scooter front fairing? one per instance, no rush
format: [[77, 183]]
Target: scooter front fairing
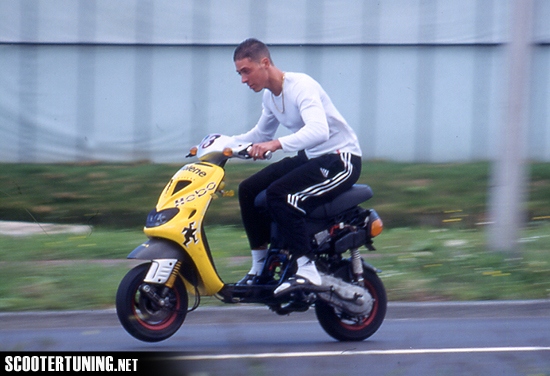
[[178, 219]]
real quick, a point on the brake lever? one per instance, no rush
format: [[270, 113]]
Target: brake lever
[[244, 153]]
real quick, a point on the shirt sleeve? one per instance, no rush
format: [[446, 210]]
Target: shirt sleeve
[[315, 130]]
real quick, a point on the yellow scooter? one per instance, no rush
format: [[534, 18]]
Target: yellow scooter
[[152, 299]]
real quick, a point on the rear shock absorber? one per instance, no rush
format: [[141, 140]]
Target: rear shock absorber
[[357, 264]]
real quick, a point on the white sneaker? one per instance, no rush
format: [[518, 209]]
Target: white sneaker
[[308, 270], [306, 274]]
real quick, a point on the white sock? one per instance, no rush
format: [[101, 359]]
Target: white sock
[[258, 259], [308, 270]]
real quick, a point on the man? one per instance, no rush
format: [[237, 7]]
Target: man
[[328, 160]]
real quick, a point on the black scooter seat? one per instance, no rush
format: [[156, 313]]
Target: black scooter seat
[[347, 200]]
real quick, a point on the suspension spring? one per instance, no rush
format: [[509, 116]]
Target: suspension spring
[[357, 264], [173, 275]]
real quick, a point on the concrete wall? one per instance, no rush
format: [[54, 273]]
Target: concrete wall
[[419, 80]]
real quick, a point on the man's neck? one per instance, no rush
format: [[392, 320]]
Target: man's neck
[[276, 79]]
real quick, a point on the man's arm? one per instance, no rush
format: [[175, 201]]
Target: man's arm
[[315, 130], [258, 150]]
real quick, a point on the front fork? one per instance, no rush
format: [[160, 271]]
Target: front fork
[[163, 272]]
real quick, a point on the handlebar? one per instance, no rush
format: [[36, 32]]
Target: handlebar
[[267, 155], [216, 148]]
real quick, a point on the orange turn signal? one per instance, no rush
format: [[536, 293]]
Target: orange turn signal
[[376, 227], [228, 152], [375, 224], [193, 151]]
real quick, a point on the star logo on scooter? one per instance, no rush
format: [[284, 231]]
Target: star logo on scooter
[[190, 234]]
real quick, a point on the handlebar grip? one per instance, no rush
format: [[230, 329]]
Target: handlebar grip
[[267, 155]]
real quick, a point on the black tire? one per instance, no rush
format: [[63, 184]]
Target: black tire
[[140, 316], [344, 327]]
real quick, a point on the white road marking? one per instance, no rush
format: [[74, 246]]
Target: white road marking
[[365, 352]]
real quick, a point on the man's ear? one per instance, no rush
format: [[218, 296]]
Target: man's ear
[[264, 62]]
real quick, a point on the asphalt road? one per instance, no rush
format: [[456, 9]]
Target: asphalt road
[[494, 338]]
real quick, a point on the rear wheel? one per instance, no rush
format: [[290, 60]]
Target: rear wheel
[[141, 316], [345, 327]]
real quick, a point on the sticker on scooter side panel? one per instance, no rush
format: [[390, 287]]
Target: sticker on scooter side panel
[[197, 194], [190, 234], [194, 170], [160, 270]]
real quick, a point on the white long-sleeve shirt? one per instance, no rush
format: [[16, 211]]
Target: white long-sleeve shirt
[[316, 125]]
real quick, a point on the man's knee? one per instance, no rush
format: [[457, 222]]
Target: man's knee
[[246, 188], [275, 195]]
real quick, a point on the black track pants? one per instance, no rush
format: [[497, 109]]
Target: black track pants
[[295, 186]]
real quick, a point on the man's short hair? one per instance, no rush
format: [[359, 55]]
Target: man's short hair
[[253, 49]]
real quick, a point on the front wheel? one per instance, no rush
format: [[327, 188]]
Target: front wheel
[[344, 327], [141, 316]]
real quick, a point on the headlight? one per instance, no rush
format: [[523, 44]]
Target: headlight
[[155, 219]]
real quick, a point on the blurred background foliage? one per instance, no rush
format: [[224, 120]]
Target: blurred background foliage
[[433, 248], [121, 195]]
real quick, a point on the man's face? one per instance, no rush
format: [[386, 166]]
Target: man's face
[[252, 73]]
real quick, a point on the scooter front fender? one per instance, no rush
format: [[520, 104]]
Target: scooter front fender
[[158, 249]]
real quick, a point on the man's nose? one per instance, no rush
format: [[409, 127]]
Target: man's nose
[[244, 79]]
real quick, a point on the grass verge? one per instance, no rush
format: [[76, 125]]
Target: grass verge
[[68, 272], [433, 247]]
